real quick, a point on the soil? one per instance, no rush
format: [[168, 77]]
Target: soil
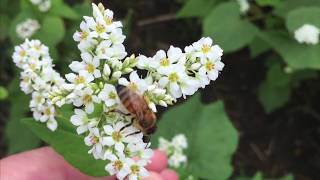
[[285, 141]]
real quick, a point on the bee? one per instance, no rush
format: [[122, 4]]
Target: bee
[[144, 118]]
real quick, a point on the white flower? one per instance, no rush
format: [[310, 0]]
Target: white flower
[[205, 49], [244, 6], [116, 166], [80, 80], [35, 2], [87, 98], [308, 34], [84, 36], [173, 55], [180, 141], [116, 36], [38, 99], [27, 28], [211, 68], [94, 139], [136, 84], [136, 169], [89, 64], [177, 81], [147, 63], [45, 5], [109, 95], [117, 135], [81, 120], [176, 159]]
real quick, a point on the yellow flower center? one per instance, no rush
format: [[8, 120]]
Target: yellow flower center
[[90, 68], [133, 86], [100, 28], [118, 165], [173, 77], [83, 35], [116, 136], [38, 99], [108, 20], [205, 49], [209, 66], [47, 111], [135, 169], [164, 62], [79, 80], [112, 95], [94, 139], [87, 99], [22, 53]]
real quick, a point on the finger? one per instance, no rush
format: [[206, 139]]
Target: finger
[[153, 176], [40, 164], [169, 174], [159, 161]]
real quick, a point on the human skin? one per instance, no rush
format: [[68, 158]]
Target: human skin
[[45, 164]]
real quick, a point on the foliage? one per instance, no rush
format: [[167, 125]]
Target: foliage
[[207, 159]]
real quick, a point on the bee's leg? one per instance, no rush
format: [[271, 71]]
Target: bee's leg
[[137, 132], [129, 124], [146, 139]]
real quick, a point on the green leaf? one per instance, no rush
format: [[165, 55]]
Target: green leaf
[[212, 138], [59, 8], [71, 146], [273, 3], [4, 26], [196, 8], [52, 31], [288, 5], [18, 136], [297, 56], [274, 92], [301, 16], [231, 33], [257, 47], [3, 93]]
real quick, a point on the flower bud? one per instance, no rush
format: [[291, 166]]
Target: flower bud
[[116, 75], [106, 70]]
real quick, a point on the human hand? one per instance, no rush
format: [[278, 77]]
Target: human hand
[[45, 164]]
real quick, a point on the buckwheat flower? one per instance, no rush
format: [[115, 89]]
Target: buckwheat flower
[[94, 139], [136, 169], [45, 5], [244, 6], [308, 34], [180, 141], [117, 135], [205, 49], [79, 80], [176, 159], [89, 64], [97, 26], [81, 120], [86, 98], [84, 37], [103, 50], [165, 60], [135, 83], [177, 82], [147, 63], [116, 166], [38, 99], [27, 28], [109, 95], [211, 68], [116, 36]]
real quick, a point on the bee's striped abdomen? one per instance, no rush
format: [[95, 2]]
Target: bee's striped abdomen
[[127, 97]]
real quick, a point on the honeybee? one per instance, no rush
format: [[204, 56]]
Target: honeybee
[[144, 118]]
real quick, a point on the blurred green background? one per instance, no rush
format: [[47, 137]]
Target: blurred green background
[[259, 120]]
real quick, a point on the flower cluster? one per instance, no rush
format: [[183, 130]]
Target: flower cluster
[[174, 149], [244, 6], [27, 28], [38, 78], [43, 5], [109, 128], [308, 34]]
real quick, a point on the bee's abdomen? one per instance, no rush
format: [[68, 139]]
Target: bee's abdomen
[[126, 97]]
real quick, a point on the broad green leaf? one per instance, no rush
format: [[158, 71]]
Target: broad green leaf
[[231, 33], [196, 8], [301, 16], [52, 31], [3, 93], [71, 146], [60, 8], [4, 26], [274, 92], [297, 56], [257, 47], [212, 138], [273, 3], [18, 136], [289, 5]]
